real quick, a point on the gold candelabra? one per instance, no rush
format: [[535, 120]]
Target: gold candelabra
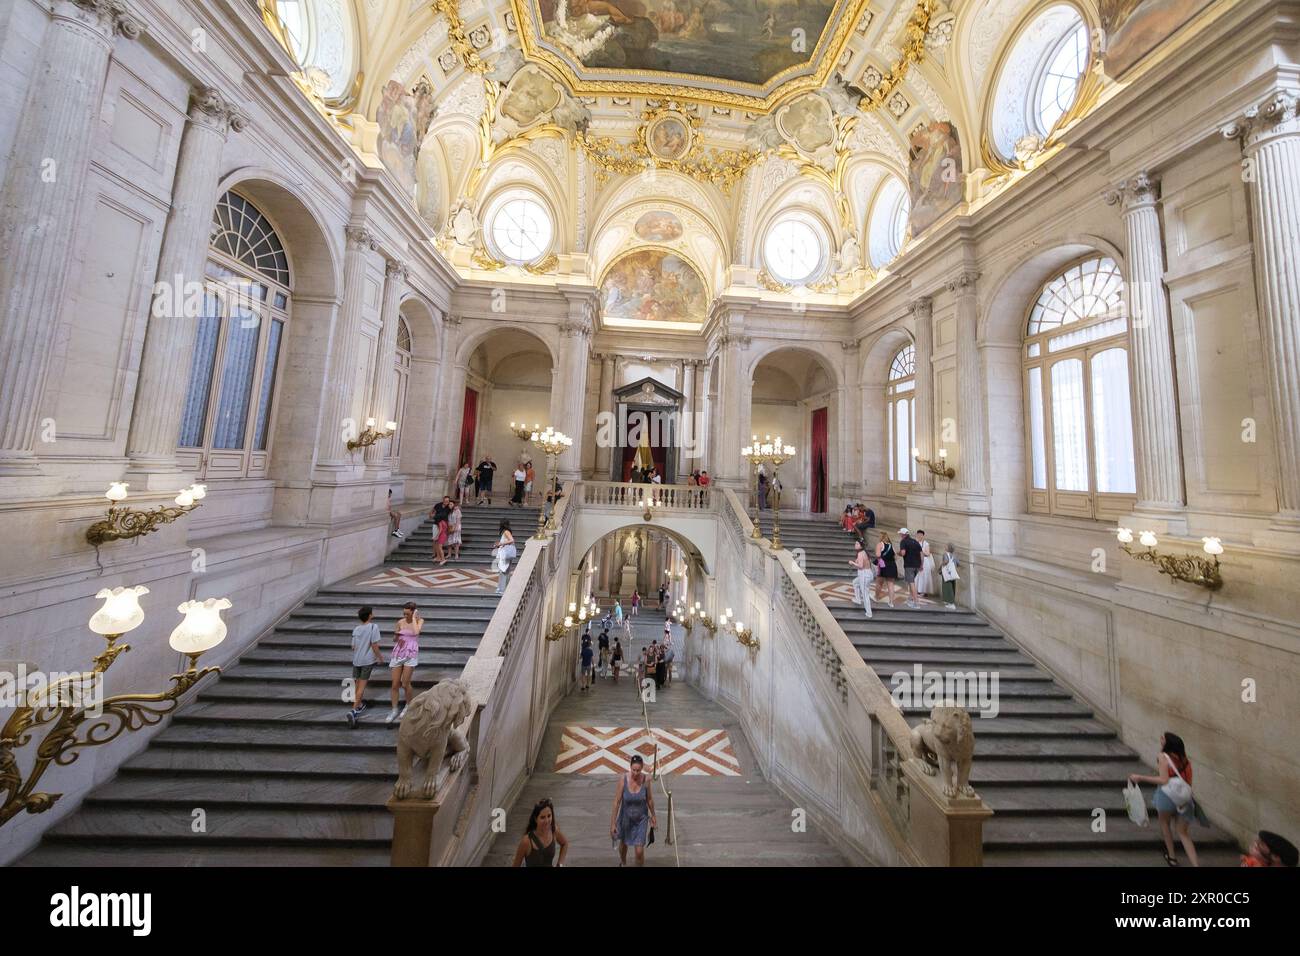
[[774, 452], [559, 629], [941, 470], [751, 454], [372, 434], [694, 614], [124, 522], [1191, 568], [551, 444], [74, 725], [744, 635], [523, 432]]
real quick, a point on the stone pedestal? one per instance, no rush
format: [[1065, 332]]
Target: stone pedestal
[[628, 580]]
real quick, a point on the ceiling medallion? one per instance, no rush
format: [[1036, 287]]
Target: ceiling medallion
[[737, 57], [668, 138]]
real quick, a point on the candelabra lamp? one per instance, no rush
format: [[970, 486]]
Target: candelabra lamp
[[571, 622], [124, 522], [72, 709], [523, 432], [744, 635], [372, 434], [941, 470], [551, 444], [775, 452], [1191, 568], [751, 454]]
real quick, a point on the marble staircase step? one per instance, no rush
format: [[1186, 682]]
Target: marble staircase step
[[1109, 856], [282, 854], [334, 671], [342, 825], [228, 732], [198, 759], [1022, 832], [305, 791]]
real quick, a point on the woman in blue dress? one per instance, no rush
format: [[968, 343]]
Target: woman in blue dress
[[634, 812]]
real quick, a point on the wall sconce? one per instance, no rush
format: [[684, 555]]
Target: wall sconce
[[1191, 568], [63, 702], [560, 629], [941, 470], [372, 435], [523, 432], [124, 522], [696, 615], [744, 635]]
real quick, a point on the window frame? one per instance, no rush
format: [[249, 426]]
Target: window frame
[[1035, 354], [820, 235], [494, 206], [900, 390]]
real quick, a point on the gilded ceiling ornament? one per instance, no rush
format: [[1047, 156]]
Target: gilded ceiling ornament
[[543, 266], [918, 27], [460, 41], [770, 284]]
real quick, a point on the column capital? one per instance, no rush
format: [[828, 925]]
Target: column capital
[[1279, 115], [210, 107], [112, 16], [923, 308], [729, 339], [575, 328], [963, 283], [359, 237], [397, 269], [451, 321], [850, 345], [1140, 192]]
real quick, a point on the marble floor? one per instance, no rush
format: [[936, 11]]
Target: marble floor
[[720, 820]]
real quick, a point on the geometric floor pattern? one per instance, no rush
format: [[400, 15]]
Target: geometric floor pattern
[[842, 592], [450, 579], [606, 750]]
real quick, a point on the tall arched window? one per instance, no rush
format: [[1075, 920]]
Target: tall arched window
[[900, 426], [887, 222], [402, 369], [1078, 417], [227, 421]]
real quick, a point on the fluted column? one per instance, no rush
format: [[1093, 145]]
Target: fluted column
[[732, 412], [849, 419], [605, 403], [39, 202], [340, 385], [169, 338], [1270, 137], [569, 386], [1156, 442], [923, 409], [699, 428], [383, 386], [450, 407], [970, 465]]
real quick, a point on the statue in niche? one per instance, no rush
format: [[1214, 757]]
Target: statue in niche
[[631, 548], [431, 731]]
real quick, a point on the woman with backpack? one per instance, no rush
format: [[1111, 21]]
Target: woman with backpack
[[1173, 795]]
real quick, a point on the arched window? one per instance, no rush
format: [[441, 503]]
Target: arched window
[[887, 222], [321, 37], [227, 421], [1077, 394], [900, 426], [1040, 77], [402, 369]]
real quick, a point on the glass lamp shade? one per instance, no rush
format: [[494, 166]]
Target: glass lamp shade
[[202, 627], [185, 498], [568, 621], [370, 423], [121, 611], [943, 453], [116, 492], [1213, 546], [198, 492], [1148, 539], [390, 426], [573, 606], [1125, 535]]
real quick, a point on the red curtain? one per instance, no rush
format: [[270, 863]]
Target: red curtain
[[468, 425], [819, 453]]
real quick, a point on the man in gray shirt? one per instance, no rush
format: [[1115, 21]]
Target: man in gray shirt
[[365, 655]]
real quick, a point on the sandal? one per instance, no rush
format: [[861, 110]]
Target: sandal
[[1169, 859]]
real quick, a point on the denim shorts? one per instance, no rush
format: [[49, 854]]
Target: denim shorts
[[1165, 805], [910, 574]]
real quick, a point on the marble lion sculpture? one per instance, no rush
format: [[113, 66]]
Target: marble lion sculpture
[[428, 733], [946, 738]]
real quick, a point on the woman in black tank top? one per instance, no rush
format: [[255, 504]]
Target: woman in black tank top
[[537, 848]]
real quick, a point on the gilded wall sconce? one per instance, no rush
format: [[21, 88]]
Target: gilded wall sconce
[[372, 434], [1191, 568], [941, 470], [124, 522]]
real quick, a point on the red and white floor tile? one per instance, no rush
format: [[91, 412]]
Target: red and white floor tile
[[606, 750], [443, 579]]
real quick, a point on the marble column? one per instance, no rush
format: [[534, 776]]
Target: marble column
[[606, 407], [48, 168], [923, 407], [169, 338], [340, 404], [733, 413], [450, 407], [685, 385], [1270, 138], [1156, 441], [970, 465], [569, 385], [699, 421], [383, 385], [850, 424]]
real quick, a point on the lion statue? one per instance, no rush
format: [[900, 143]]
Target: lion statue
[[946, 739], [428, 733]]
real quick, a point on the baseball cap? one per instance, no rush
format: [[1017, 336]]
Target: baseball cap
[[902, 531]]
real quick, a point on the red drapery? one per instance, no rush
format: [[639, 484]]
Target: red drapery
[[819, 453], [468, 425]]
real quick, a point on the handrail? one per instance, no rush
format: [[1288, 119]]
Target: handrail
[[654, 776], [664, 497]]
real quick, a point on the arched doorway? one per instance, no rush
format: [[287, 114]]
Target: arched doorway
[[794, 395]]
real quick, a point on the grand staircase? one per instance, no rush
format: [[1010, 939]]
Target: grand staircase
[[1044, 764], [479, 533], [262, 768]]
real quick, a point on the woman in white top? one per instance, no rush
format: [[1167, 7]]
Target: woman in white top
[[862, 577], [925, 580], [502, 554]]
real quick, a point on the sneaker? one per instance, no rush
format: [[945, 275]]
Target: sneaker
[[392, 716], [352, 719], [362, 709], [951, 607], [403, 713]]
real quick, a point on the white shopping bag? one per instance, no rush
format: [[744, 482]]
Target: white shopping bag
[[1135, 804]]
